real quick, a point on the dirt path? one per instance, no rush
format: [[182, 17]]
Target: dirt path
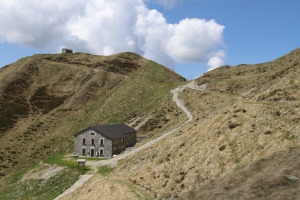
[[82, 180], [134, 121], [114, 161], [180, 103], [143, 122]]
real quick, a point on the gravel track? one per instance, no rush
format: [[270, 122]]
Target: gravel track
[[180, 103], [114, 161], [82, 180]]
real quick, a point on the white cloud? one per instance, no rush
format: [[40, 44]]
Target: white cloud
[[108, 27], [216, 60], [192, 39]]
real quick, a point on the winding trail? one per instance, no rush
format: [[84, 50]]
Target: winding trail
[[114, 161]]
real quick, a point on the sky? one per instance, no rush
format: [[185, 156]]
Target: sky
[[190, 37]]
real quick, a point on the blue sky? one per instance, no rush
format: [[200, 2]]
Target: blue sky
[[254, 31]]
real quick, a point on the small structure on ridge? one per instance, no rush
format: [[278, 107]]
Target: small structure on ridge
[[64, 50]]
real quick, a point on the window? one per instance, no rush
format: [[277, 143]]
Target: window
[[83, 141], [92, 133], [123, 140], [83, 151], [133, 137], [93, 141], [101, 141], [101, 152]]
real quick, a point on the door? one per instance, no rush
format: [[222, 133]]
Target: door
[[101, 152], [92, 152]]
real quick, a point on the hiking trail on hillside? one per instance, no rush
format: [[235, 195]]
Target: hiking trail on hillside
[[114, 161]]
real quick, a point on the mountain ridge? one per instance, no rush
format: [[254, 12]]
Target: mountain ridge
[[245, 123]]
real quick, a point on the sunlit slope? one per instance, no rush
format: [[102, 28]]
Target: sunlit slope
[[45, 99], [245, 114]]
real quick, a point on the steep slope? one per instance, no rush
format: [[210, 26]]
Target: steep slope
[[45, 99], [274, 177], [244, 114]]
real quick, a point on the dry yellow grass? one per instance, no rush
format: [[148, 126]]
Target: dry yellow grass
[[233, 129], [268, 178], [245, 124], [105, 188]]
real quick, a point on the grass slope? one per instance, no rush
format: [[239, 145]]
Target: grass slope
[[247, 114], [268, 178], [71, 164], [45, 99], [28, 183]]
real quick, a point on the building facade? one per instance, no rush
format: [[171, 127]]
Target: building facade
[[104, 140]]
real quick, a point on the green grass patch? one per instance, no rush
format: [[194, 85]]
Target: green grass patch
[[13, 187], [105, 169], [18, 175], [72, 164], [88, 158]]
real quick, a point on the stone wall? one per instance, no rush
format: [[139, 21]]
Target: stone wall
[[78, 144]]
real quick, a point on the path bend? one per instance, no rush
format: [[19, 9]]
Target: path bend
[[114, 161], [180, 103]]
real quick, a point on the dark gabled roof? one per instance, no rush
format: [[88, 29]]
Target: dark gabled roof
[[111, 131]]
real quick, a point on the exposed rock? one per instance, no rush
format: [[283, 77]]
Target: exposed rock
[[290, 177]]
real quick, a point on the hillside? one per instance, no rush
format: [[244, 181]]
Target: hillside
[[245, 115], [45, 99], [243, 141]]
